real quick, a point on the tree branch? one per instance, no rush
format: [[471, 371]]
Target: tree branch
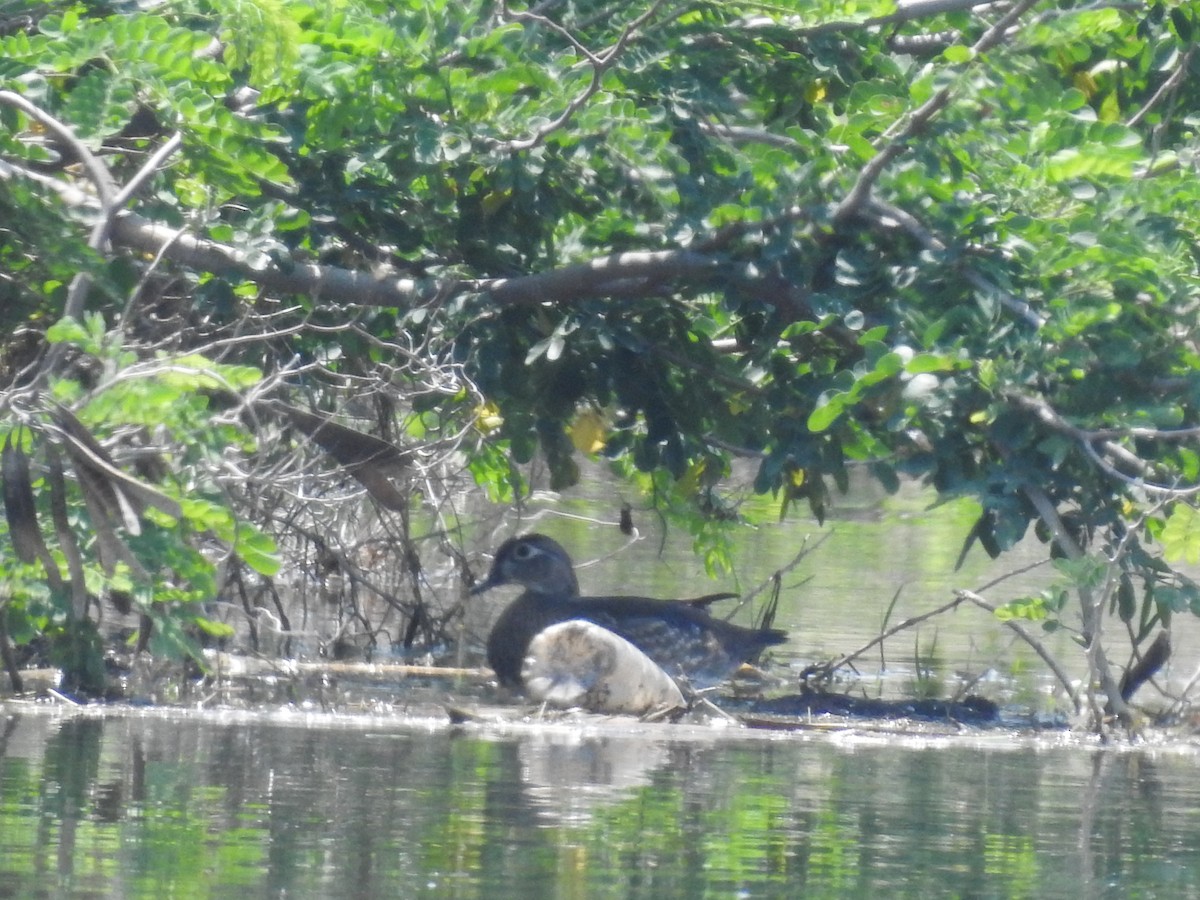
[[904, 12], [1091, 606], [595, 277], [930, 241], [1038, 647], [895, 629], [1097, 445], [918, 119], [1173, 81], [600, 62], [637, 271], [98, 174]]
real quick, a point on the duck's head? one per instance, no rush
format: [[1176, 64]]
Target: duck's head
[[536, 562]]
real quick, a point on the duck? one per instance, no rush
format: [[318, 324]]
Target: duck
[[679, 636]]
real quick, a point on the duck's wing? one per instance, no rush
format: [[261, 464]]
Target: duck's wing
[[684, 640]]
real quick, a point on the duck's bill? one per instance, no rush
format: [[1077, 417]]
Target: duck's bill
[[486, 585]]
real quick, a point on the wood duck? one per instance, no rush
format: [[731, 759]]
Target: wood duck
[[681, 637]]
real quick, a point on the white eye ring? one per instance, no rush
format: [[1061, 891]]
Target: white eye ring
[[524, 551]]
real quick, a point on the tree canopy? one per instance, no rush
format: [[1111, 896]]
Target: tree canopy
[[940, 239]]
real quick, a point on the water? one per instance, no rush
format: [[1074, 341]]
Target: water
[[155, 804], [392, 802], [874, 563]]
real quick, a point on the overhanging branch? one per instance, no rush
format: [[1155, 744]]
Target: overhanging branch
[[333, 282], [596, 277]]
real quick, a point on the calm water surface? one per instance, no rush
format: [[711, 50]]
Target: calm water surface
[[153, 803], [144, 804], [875, 562]]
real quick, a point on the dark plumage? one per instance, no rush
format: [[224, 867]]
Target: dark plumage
[[680, 637]]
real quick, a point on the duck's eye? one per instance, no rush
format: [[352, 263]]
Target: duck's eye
[[524, 551]]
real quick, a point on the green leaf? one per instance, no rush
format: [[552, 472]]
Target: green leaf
[[1181, 535], [194, 372], [1038, 608], [924, 363], [257, 550], [1182, 23], [67, 331], [213, 629], [828, 410]]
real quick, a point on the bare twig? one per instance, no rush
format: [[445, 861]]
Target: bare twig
[[895, 629], [1039, 648], [148, 169], [600, 63], [1170, 84], [741, 134], [770, 581]]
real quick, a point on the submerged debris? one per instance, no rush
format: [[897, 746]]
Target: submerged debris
[[970, 710]]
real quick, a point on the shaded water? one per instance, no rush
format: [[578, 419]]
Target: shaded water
[[875, 562], [156, 805]]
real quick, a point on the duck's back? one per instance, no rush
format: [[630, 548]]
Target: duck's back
[[684, 640]]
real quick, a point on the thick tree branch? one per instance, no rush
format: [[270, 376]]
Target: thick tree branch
[[345, 285], [98, 174], [596, 277], [638, 272]]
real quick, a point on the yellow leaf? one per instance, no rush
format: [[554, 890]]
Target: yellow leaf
[[738, 404], [1085, 84], [588, 432], [488, 418], [689, 484], [1110, 108], [494, 201]]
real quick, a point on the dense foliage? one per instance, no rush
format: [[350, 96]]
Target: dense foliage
[[942, 239]]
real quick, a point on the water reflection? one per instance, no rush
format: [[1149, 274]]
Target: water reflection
[[155, 806], [568, 775]]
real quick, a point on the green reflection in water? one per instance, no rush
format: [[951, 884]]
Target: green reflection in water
[[154, 807]]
